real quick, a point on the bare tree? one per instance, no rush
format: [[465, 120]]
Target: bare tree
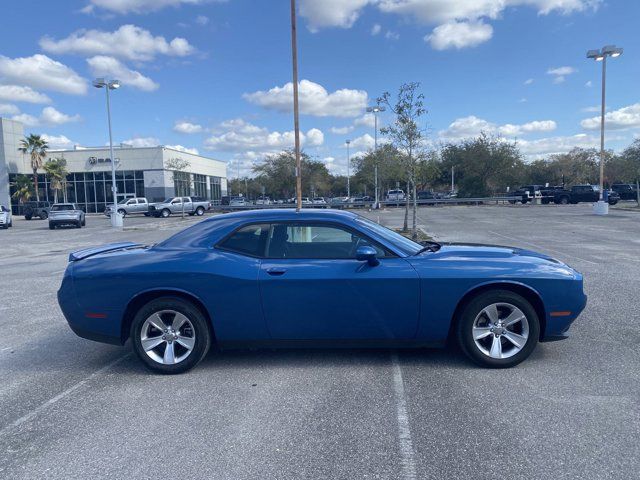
[[177, 166], [407, 137]]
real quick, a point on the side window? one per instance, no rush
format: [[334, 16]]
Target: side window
[[249, 240], [315, 241]]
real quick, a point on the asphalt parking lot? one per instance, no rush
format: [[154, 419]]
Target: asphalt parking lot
[[71, 408]]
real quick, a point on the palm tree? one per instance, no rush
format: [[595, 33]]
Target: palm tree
[[36, 147], [24, 189], [56, 169]]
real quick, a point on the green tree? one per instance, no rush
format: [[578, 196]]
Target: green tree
[[390, 168], [56, 170], [23, 188], [181, 179], [36, 147], [407, 136], [631, 158], [483, 165], [277, 174]]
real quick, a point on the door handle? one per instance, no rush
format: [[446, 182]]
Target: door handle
[[275, 271]]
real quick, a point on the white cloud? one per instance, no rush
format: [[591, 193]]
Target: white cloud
[[129, 42], [137, 6], [39, 71], [459, 35], [238, 135], [625, 117], [441, 13], [364, 142], [180, 148], [187, 127], [8, 109], [202, 20], [314, 100], [589, 84], [331, 13], [560, 73], [49, 116], [375, 30], [595, 108], [141, 142], [528, 81], [552, 145], [17, 93], [341, 130], [103, 66], [58, 142], [390, 35], [367, 120], [26, 119], [472, 126]]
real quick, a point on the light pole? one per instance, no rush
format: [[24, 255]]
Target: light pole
[[296, 118], [348, 172], [375, 111], [601, 56], [116, 218]]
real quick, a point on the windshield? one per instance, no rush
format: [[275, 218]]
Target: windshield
[[123, 201], [60, 208], [407, 246], [169, 200]]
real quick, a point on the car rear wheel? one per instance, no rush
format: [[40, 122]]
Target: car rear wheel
[[165, 213], [170, 335], [84, 222], [199, 211], [52, 227], [43, 215], [498, 329]]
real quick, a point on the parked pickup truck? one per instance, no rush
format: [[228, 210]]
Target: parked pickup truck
[[577, 194], [129, 206], [625, 190], [177, 205]]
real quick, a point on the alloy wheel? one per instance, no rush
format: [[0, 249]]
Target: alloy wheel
[[167, 337], [500, 330]]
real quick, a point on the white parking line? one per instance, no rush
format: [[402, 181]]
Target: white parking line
[[404, 431], [60, 396], [541, 247]]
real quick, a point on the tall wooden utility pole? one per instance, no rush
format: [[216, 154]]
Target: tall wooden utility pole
[[296, 122]]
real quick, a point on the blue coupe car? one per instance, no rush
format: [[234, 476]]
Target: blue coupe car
[[315, 278]]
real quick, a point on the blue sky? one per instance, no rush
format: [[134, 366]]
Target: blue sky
[[215, 75]]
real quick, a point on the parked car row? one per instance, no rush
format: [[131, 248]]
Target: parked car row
[[563, 196]]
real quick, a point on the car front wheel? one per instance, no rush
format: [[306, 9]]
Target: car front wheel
[[170, 335], [165, 213], [498, 329]]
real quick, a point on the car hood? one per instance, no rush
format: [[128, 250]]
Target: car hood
[[501, 260]]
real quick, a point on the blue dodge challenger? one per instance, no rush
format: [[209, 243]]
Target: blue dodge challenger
[[315, 278]]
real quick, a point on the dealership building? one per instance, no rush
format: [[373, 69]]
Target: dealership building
[[140, 172]]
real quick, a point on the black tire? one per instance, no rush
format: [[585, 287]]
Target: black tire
[[545, 201], [52, 227], [43, 215], [122, 212], [523, 201], [84, 222], [464, 328], [78, 224], [165, 213], [612, 202], [563, 201], [27, 217], [11, 224], [197, 319], [199, 211]]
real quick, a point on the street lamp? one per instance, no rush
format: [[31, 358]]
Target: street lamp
[[375, 111], [601, 56], [116, 218], [348, 172]]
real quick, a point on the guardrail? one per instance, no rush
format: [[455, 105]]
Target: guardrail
[[434, 201]]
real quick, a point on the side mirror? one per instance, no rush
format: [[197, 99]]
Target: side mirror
[[367, 254]]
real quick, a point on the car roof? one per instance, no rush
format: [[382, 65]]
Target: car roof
[[291, 214]]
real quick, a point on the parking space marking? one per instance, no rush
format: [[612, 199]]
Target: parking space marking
[[542, 248], [404, 431], [60, 396]]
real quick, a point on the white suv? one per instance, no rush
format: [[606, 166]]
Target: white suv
[[5, 217], [395, 195]]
